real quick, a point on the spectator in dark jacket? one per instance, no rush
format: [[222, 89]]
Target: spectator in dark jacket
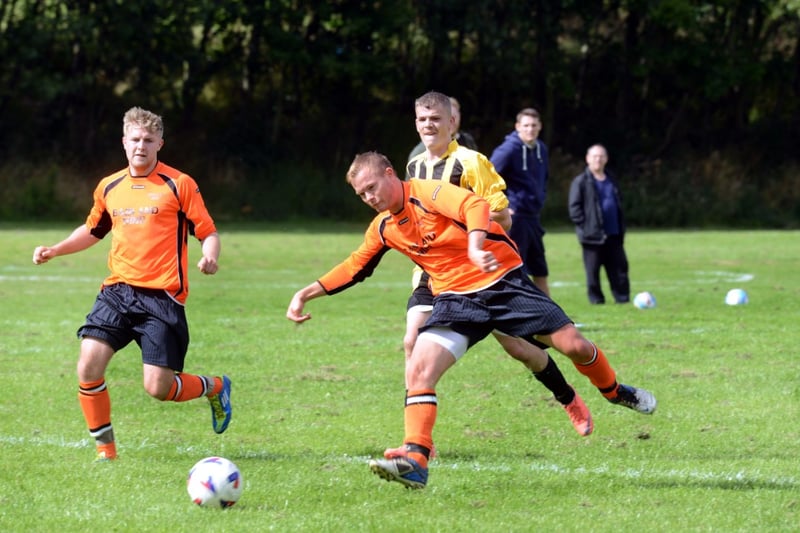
[[595, 208]]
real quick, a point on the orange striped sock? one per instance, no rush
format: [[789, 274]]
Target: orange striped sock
[[600, 373], [96, 406], [189, 386], [420, 417]]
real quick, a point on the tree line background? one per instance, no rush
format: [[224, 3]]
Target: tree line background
[[266, 102]]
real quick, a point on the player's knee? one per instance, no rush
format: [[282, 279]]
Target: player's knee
[[517, 348], [156, 389], [157, 393], [571, 343], [515, 351], [581, 351], [93, 359], [419, 375]]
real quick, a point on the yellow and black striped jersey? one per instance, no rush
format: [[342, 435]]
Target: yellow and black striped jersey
[[464, 168]]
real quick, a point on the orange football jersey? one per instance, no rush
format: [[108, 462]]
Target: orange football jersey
[[150, 219], [432, 229]]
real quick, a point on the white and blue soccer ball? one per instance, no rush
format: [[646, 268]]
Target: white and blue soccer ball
[[214, 482], [736, 297], [644, 300]]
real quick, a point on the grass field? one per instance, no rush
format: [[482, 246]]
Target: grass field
[[313, 403]]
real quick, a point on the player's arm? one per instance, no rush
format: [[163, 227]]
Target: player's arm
[[473, 211], [342, 276], [484, 260], [355, 269], [502, 217], [202, 225], [211, 247], [295, 312], [80, 239]]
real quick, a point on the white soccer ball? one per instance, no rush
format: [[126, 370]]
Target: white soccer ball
[[214, 482], [736, 297], [644, 300]]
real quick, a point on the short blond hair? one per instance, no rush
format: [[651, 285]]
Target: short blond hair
[[375, 161], [136, 116]]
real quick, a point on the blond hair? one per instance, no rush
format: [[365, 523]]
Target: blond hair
[[373, 160], [136, 116]]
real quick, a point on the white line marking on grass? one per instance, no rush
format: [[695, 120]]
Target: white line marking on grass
[[717, 276], [703, 277], [403, 284], [57, 441], [228, 283], [56, 279], [738, 477], [61, 442], [564, 284]]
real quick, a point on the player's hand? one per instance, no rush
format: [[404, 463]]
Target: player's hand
[[207, 265], [485, 261], [295, 311], [42, 254]]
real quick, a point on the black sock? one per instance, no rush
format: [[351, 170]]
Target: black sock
[[552, 378], [416, 448]]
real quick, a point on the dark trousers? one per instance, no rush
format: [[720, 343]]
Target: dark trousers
[[611, 256]]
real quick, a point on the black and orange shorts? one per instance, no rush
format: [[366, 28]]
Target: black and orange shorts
[[122, 313]]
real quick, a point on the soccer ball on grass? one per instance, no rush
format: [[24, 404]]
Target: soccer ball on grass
[[736, 297], [644, 300], [214, 482]]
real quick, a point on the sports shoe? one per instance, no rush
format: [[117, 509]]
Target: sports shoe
[[579, 415], [636, 399], [221, 406], [402, 451], [103, 457], [401, 469]]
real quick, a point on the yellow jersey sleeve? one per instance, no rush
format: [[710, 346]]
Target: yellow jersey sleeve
[[481, 178]]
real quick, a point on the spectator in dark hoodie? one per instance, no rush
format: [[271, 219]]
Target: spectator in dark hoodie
[[522, 160], [595, 208]]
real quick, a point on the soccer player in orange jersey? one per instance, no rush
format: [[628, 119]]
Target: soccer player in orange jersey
[[479, 286], [149, 209], [443, 158]]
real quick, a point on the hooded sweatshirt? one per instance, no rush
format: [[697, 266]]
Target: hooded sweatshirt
[[524, 169]]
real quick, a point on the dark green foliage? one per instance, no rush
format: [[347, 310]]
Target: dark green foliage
[[246, 87]]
